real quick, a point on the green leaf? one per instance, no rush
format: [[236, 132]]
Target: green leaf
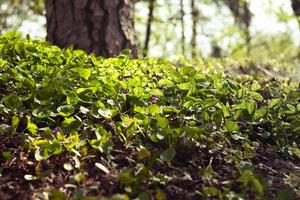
[[274, 102], [255, 86], [163, 82], [6, 129], [231, 126], [69, 125], [84, 110], [85, 73], [226, 111], [162, 122], [41, 112], [15, 122], [260, 113], [65, 110], [32, 127], [144, 196], [106, 113], [256, 96], [11, 101], [154, 109], [286, 194], [143, 154], [296, 152], [188, 70], [117, 197], [170, 109], [168, 155], [184, 86], [251, 106], [7, 155]]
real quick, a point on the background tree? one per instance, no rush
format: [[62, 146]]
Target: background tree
[[101, 27], [296, 9], [242, 15], [195, 18], [14, 12], [182, 14], [149, 25]]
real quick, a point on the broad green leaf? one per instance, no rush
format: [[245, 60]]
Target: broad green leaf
[[41, 112], [143, 153], [168, 154], [32, 127], [251, 106], [7, 155], [65, 110], [106, 113], [226, 111], [6, 129], [11, 101], [260, 113], [163, 82], [15, 122], [256, 96], [69, 125], [184, 86], [231, 126], [162, 122], [296, 152], [84, 110], [117, 197], [85, 73], [286, 194], [275, 102], [170, 109], [154, 109], [255, 86]]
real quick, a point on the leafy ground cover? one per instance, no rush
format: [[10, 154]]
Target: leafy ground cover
[[74, 126]]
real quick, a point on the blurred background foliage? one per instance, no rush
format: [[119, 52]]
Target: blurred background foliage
[[13, 13], [192, 29]]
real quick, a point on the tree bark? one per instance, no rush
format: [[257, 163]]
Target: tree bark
[[182, 27], [296, 10], [242, 15], [103, 27], [149, 24], [195, 17]]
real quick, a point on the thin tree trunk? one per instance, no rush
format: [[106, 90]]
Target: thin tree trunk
[[149, 24], [242, 15], [195, 16], [246, 19], [182, 27], [296, 9], [102, 27]]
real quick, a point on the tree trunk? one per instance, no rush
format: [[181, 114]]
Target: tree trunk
[[149, 24], [182, 27], [103, 27], [296, 9], [195, 16], [242, 15]]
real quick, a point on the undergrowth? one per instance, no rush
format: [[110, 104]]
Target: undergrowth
[[78, 126]]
